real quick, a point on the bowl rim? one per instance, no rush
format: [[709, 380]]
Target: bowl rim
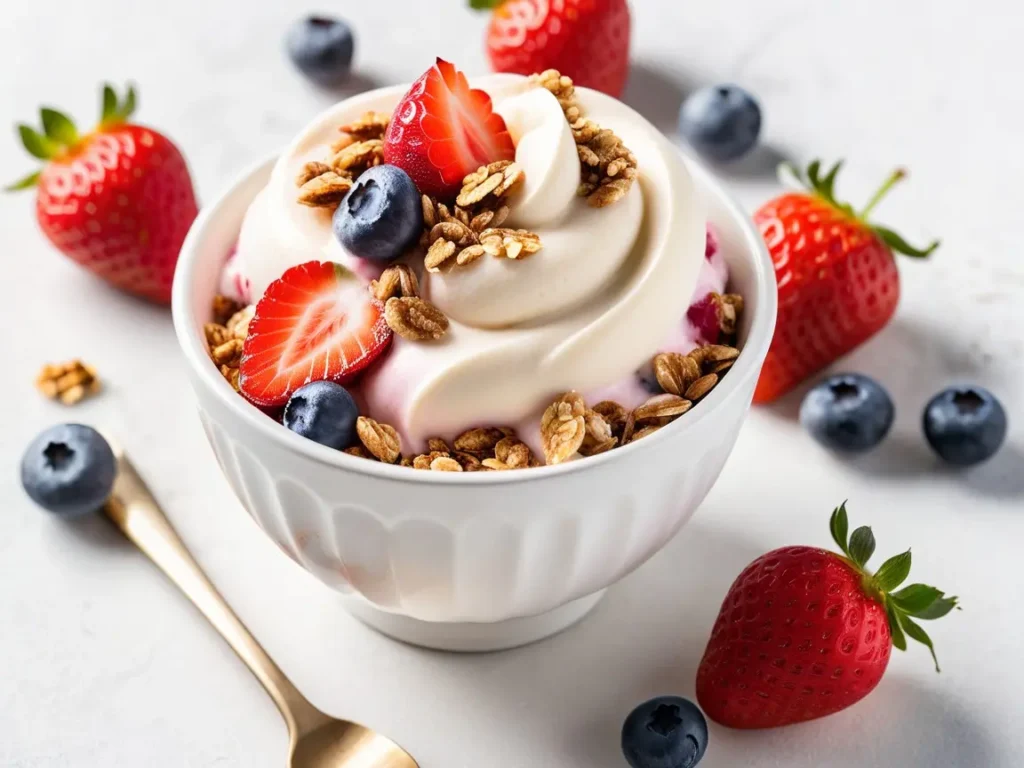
[[748, 365]]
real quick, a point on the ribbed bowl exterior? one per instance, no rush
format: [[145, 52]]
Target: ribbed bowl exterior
[[481, 547]]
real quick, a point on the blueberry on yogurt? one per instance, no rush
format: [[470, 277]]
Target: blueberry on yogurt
[[381, 216]]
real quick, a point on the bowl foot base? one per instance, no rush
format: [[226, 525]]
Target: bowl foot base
[[473, 637]]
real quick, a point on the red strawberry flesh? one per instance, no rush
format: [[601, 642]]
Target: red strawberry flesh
[[316, 322], [443, 130]]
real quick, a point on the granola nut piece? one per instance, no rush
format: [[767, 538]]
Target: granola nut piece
[[629, 427], [720, 353], [562, 88], [223, 308], [701, 387], [381, 440], [640, 434], [512, 452], [480, 440], [495, 180], [358, 157], [438, 445], [230, 375], [415, 319], [468, 461], [509, 243], [675, 372], [310, 171], [229, 353], [607, 167], [613, 414], [372, 125], [68, 382], [325, 191], [396, 280], [238, 324], [216, 334], [662, 407], [440, 252], [599, 437], [563, 427], [445, 464]]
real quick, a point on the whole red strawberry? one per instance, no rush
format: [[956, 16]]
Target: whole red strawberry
[[442, 130], [588, 40], [117, 200], [837, 278], [804, 632]]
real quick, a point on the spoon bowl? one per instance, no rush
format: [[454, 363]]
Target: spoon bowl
[[341, 744]]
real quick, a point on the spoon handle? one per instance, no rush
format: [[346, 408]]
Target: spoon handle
[[134, 510]]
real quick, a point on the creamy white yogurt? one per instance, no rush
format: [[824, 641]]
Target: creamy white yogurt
[[607, 289]]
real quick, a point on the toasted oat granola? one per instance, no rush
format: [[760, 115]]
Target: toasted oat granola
[[607, 167], [372, 125], [563, 427], [415, 319], [358, 157], [226, 338], [381, 440], [324, 191], [69, 382], [459, 236], [397, 280]]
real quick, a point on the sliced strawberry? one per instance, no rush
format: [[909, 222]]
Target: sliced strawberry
[[443, 130], [317, 321]]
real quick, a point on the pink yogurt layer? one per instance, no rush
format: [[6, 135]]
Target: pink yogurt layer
[[381, 395]]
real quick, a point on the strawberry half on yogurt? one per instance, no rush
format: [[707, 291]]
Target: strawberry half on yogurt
[[606, 286]]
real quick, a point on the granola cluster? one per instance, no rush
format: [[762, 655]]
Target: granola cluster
[[484, 449], [607, 167], [569, 428], [459, 236], [225, 336], [70, 382], [360, 147]]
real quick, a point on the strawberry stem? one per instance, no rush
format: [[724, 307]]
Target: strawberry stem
[[896, 176], [916, 600], [60, 137], [824, 187]]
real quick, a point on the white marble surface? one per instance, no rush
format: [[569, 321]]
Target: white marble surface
[[101, 662]]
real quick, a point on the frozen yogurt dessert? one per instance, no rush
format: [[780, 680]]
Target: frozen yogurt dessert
[[496, 273]]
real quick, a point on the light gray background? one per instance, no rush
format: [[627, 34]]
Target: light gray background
[[102, 664]]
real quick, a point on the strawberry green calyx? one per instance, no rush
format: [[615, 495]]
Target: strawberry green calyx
[[484, 5], [916, 601], [115, 110], [59, 136], [824, 187]]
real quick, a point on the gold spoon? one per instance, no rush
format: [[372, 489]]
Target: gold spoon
[[316, 740]]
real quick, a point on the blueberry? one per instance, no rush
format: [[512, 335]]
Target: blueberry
[[324, 412], [666, 732], [721, 122], [321, 47], [381, 216], [848, 412], [965, 425], [69, 470], [645, 376]]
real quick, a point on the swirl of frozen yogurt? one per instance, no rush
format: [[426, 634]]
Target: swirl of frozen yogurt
[[608, 286]]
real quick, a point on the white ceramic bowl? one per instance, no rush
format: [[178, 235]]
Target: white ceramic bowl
[[477, 561]]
